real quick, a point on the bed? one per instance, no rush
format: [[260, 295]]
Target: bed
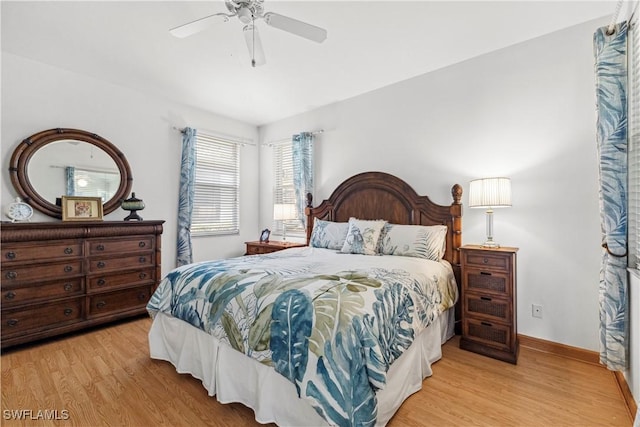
[[322, 335]]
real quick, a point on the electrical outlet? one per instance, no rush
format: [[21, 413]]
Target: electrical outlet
[[536, 310]]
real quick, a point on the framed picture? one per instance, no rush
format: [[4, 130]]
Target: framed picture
[[78, 208], [264, 236]]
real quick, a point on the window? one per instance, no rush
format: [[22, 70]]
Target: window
[[634, 141], [284, 190], [217, 185]]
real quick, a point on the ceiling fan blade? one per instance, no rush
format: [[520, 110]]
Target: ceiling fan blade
[[252, 37], [296, 27], [198, 25]]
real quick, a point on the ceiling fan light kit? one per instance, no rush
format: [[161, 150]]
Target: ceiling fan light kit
[[247, 11]]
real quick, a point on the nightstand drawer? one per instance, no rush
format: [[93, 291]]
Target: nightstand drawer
[[256, 250], [487, 307], [486, 282], [493, 334], [484, 260]]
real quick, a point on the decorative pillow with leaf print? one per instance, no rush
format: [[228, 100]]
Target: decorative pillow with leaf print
[[418, 241], [362, 237], [328, 234]]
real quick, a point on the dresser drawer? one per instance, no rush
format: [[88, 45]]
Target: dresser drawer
[[102, 282], [42, 252], [479, 259], [41, 272], [487, 307], [40, 317], [491, 282], [114, 302], [100, 265], [14, 295], [492, 334], [117, 246]]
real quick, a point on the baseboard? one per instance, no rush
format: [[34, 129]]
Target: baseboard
[[582, 355], [558, 349]]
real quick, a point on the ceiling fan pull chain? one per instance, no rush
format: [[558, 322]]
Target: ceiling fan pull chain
[[253, 44]]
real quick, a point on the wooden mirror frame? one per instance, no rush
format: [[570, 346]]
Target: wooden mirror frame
[[29, 146]]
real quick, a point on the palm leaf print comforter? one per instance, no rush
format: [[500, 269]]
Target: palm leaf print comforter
[[331, 323]]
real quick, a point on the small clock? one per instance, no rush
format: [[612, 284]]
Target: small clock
[[19, 211]]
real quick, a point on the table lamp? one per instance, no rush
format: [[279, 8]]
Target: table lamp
[[490, 193], [283, 212]]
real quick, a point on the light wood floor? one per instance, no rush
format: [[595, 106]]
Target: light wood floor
[[105, 378]]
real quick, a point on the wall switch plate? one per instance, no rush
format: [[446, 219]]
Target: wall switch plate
[[536, 310]]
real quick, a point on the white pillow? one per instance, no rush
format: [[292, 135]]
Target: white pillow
[[362, 237], [328, 234], [420, 241]]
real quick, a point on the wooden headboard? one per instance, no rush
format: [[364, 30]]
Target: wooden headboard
[[379, 195]]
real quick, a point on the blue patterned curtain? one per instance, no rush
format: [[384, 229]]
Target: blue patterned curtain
[[302, 153], [187, 191], [71, 180], [611, 93]]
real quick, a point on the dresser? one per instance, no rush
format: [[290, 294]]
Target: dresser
[[257, 247], [489, 302], [59, 277]]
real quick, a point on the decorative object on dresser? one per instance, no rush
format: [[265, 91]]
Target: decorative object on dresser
[[264, 236], [284, 212], [81, 208], [489, 302], [59, 277], [39, 179], [19, 211], [133, 204], [255, 248], [490, 193]]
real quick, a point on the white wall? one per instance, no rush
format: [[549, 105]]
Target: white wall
[[36, 97], [526, 112]]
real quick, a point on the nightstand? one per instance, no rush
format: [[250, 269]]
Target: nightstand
[[254, 248], [489, 302]]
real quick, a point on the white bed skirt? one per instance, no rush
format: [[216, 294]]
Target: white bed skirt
[[234, 377]]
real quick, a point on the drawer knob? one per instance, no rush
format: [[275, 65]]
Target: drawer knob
[[102, 282], [142, 296], [11, 255], [142, 260], [142, 244], [11, 275], [68, 269], [142, 275], [101, 264], [10, 295], [68, 287], [12, 322], [68, 311], [68, 251], [100, 247], [101, 304], [485, 260]]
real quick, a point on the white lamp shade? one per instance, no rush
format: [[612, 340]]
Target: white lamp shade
[[283, 211], [490, 193]]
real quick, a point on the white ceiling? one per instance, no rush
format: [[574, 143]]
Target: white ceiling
[[370, 44]]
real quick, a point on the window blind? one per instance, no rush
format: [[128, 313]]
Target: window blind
[[217, 186], [284, 191], [633, 43]]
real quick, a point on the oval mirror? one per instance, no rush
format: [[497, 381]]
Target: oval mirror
[[69, 162]]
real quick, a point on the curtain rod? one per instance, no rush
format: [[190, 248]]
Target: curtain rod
[[232, 138], [614, 18], [285, 140]]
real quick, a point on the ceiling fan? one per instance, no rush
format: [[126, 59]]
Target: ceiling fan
[[247, 12]]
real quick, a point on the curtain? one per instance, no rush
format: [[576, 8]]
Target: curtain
[[187, 192], [302, 153], [611, 104], [71, 180]]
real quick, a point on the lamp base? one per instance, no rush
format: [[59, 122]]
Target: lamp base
[[490, 244]]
